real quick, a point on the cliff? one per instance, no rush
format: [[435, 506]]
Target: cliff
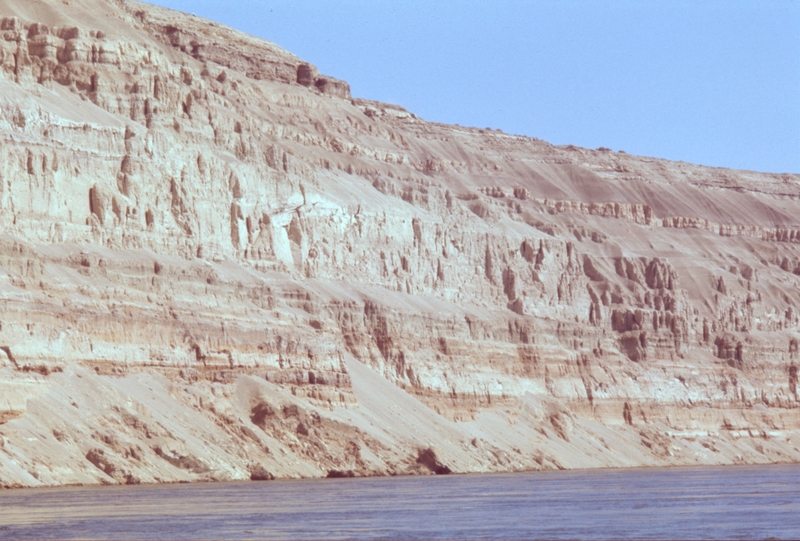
[[216, 264]]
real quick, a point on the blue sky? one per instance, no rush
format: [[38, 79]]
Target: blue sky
[[706, 81]]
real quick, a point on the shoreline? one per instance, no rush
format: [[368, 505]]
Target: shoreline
[[670, 467]]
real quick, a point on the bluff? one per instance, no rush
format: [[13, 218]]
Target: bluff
[[216, 264]]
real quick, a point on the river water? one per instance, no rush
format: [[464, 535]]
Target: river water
[[759, 502]]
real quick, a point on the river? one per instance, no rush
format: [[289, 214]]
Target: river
[[742, 502]]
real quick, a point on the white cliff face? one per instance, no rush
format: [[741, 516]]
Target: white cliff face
[[215, 264]]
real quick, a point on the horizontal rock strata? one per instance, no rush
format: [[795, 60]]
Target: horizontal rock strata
[[216, 264]]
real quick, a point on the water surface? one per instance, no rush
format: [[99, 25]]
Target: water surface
[[685, 503]]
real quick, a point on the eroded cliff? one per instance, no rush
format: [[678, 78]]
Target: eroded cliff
[[216, 264]]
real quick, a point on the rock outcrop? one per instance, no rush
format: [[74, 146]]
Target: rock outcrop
[[216, 264]]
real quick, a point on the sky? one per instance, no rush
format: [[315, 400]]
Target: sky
[[714, 82]]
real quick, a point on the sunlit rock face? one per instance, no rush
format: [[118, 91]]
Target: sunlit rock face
[[216, 264]]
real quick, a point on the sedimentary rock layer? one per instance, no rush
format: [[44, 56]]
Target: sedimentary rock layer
[[217, 264]]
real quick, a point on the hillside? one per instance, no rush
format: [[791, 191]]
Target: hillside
[[216, 264]]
